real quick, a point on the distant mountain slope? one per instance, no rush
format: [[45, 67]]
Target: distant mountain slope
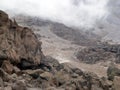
[[76, 36]]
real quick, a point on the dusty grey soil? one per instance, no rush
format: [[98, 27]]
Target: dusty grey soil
[[63, 51]]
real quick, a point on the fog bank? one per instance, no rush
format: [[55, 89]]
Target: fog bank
[[78, 13]]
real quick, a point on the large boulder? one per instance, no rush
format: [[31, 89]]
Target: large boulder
[[7, 67], [19, 85], [50, 64], [4, 75], [18, 44]]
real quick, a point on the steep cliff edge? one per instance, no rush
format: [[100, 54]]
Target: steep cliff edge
[[18, 45]]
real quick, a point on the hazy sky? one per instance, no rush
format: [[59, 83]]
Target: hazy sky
[[83, 13]]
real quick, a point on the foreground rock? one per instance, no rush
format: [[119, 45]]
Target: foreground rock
[[64, 77], [18, 45], [54, 76]]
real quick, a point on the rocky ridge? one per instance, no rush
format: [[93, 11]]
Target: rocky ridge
[[18, 45]]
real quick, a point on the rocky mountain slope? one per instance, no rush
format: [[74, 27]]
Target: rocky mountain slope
[[64, 43], [24, 67], [72, 34]]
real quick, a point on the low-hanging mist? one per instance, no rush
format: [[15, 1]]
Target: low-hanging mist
[[78, 13]]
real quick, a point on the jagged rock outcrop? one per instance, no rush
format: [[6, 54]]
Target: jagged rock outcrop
[[18, 45]]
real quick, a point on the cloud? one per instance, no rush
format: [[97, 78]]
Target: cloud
[[78, 13]]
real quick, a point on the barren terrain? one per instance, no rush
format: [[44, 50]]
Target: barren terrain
[[61, 49]]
